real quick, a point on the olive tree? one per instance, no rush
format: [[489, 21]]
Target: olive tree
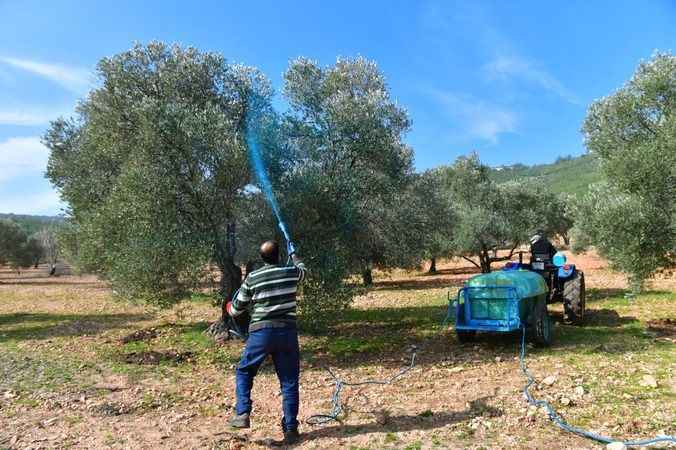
[[47, 237], [432, 218], [153, 166], [11, 239], [491, 216], [351, 166], [16, 248], [631, 219]]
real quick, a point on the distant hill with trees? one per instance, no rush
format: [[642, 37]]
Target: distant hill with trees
[[569, 174], [31, 224]]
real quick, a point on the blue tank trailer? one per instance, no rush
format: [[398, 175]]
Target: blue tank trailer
[[517, 297]]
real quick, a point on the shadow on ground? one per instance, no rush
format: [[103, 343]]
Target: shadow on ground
[[598, 318], [453, 271], [30, 326], [383, 422], [383, 336], [417, 284], [57, 282], [597, 295]]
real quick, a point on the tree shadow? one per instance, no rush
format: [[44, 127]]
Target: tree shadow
[[416, 284], [21, 326], [384, 422], [384, 337], [597, 318], [468, 270], [74, 283], [597, 295], [388, 336]]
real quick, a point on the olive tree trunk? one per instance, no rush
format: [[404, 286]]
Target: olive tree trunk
[[367, 276], [433, 265]]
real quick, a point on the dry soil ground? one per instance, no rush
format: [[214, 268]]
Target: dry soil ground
[[79, 369]]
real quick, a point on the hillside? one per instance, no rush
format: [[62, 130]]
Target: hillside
[[570, 174], [31, 224]]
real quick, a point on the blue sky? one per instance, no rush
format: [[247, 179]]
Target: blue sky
[[511, 80]]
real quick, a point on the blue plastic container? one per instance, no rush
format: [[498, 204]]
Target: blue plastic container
[[498, 301]]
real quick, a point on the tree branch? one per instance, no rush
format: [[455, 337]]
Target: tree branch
[[475, 264]]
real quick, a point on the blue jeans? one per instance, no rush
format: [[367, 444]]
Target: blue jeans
[[282, 344]]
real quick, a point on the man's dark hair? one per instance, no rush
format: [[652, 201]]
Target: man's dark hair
[[270, 252]]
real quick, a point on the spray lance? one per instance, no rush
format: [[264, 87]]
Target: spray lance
[[253, 122]]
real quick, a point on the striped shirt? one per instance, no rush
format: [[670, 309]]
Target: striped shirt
[[269, 293]]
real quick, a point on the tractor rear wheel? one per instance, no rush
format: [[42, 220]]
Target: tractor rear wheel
[[465, 336], [574, 298], [542, 324]]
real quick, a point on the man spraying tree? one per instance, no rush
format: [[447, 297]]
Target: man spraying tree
[[269, 293]]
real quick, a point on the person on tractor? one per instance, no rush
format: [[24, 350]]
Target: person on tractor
[[541, 249], [269, 293]]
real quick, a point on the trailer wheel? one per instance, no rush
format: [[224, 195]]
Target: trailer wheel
[[574, 298], [465, 336], [542, 324]]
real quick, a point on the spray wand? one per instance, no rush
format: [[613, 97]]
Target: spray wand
[[252, 122]]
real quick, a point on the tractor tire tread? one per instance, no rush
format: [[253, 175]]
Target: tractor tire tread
[[542, 325], [574, 298]]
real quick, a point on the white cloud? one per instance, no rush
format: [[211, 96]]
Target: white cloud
[[475, 24], [506, 67], [23, 161], [75, 79], [22, 156], [479, 119], [46, 202]]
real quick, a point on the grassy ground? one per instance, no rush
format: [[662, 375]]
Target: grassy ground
[[81, 370]]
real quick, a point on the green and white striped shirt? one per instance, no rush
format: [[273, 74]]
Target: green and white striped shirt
[[270, 294]]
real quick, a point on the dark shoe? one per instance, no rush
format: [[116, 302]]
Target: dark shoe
[[291, 437], [239, 421]]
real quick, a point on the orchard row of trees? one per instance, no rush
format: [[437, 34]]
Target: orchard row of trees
[[155, 168], [19, 250]]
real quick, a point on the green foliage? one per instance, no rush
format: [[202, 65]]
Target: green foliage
[[632, 221], [568, 175], [33, 224], [11, 238], [431, 216], [16, 248], [48, 240], [349, 175], [628, 231], [153, 166], [33, 251], [493, 216]]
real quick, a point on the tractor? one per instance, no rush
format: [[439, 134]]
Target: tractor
[[564, 281], [516, 297]]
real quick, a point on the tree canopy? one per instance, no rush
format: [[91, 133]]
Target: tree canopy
[[632, 218], [351, 164], [17, 248], [154, 164], [489, 216]]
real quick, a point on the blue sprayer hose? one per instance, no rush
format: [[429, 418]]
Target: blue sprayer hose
[[337, 408], [561, 423]]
